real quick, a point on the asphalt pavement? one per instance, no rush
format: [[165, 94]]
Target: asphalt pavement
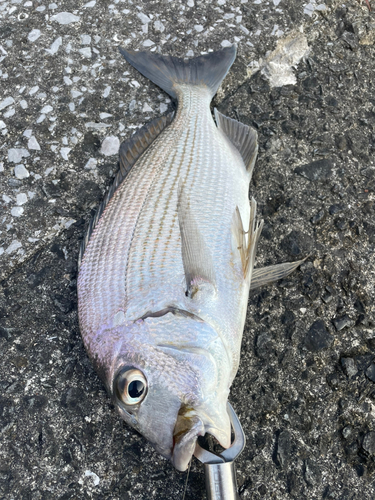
[[305, 390]]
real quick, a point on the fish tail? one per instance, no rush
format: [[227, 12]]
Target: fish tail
[[168, 72]]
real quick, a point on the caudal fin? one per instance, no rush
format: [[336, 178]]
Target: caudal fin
[[168, 71]]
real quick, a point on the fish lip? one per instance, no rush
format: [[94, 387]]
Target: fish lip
[[184, 447]]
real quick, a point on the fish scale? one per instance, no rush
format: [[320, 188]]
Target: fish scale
[[164, 251], [205, 173], [168, 261], [107, 252]]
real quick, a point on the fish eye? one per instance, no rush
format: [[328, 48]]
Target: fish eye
[[131, 386]]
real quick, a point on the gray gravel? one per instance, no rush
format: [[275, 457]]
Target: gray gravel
[[305, 391]]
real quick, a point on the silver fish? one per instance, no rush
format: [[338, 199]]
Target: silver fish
[[168, 262]]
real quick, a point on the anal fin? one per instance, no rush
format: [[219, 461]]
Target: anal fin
[[269, 274], [243, 137], [196, 256], [247, 241]]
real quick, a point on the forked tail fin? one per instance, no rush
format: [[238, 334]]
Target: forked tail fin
[[168, 71]]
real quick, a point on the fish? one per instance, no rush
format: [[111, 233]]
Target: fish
[[168, 261]]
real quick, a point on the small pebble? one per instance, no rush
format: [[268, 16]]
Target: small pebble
[[15, 155], [21, 172], [16, 211], [34, 90], [46, 109], [144, 19], [159, 26], [65, 18], [55, 46], [21, 199], [110, 146], [370, 372], [34, 35], [318, 337], [6, 102], [334, 209], [94, 477], [15, 245], [14, 183], [346, 432], [316, 170], [349, 366], [369, 443], [91, 164], [163, 107], [9, 113], [317, 217], [33, 144], [64, 153], [342, 322], [85, 39], [86, 52], [107, 91], [96, 126]]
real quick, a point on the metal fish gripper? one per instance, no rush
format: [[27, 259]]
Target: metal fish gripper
[[221, 481]]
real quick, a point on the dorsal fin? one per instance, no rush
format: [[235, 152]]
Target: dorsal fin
[[136, 145], [130, 151], [243, 137]]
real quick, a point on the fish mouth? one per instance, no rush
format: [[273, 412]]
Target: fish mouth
[[189, 426]]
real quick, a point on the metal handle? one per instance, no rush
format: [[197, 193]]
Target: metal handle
[[221, 482]]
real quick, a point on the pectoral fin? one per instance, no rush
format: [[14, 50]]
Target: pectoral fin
[[247, 241], [196, 256], [269, 274]]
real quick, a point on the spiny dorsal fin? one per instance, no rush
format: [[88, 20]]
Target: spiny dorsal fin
[[136, 145], [243, 137], [269, 274], [247, 245], [130, 151], [196, 256], [168, 71]]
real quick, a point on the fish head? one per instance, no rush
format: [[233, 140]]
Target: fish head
[[173, 392]]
